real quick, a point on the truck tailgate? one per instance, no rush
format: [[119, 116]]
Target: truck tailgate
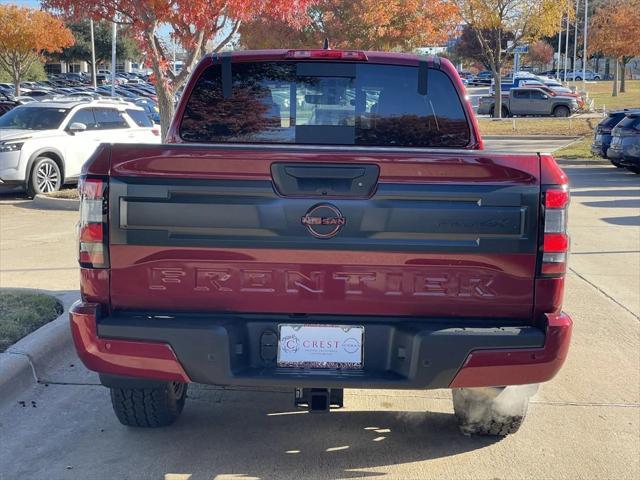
[[345, 230]]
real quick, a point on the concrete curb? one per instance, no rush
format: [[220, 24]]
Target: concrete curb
[[568, 162], [528, 137], [20, 363], [44, 202]]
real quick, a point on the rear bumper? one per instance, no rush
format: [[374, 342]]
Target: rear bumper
[[599, 149], [614, 153], [404, 353]]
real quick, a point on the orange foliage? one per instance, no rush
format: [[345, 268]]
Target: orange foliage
[[365, 24], [613, 29], [26, 35]]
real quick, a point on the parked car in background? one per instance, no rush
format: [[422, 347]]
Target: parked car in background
[[625, 142], [526, 101], [150, 107], [577, 75], [482, 78], [7, 102], [44, 144], [508, 83], [602, 134]]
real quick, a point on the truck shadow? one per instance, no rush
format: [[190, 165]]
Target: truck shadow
[[257, 434]]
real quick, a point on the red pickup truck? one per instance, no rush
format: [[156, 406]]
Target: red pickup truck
[[321, 220]]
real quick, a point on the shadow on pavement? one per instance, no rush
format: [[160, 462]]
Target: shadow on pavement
[[288, 443], [233, 434], [633, 221], [626, 203]]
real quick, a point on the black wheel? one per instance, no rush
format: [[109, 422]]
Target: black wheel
[[634, 168], [45, 177], [561, 111], [149, 407], [597, 77], [616, 164], [505, 112], [578, 78], [490, 411]]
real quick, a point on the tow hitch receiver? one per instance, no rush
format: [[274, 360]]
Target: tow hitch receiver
[[319, 400]]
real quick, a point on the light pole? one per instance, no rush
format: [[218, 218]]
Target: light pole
[[575, 42], [566, 44], [113, 59], [559, 48], [93, 57], [584, 51]]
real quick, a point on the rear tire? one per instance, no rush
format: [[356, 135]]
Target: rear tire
[[45, 177], [496, 412], [561, 111], [633, 168], [505, 112], [149, 407]]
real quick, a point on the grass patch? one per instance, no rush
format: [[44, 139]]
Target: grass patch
[[573, 127], [579, 150], [600, 92], [69, 193], [23, 312]]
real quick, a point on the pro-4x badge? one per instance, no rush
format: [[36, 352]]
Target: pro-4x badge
[[324, 220]]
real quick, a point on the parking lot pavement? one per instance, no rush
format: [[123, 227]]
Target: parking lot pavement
[[584, 424], [37, 247]]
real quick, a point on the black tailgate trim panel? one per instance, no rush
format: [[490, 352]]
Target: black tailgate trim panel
[[398, 217]]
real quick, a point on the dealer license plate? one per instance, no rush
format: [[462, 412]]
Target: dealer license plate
[[320, 346]]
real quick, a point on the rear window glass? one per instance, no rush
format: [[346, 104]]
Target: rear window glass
[[322, 103], [140, 118], [109, 119], [612, 120], [629, 122]]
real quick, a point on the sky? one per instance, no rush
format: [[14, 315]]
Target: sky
[[22, 3], [164, 30]]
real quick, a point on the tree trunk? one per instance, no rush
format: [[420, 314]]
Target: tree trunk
[[614, 93], [497, 102], [16, 82], [623, 74], [165, 103], [163, 90]]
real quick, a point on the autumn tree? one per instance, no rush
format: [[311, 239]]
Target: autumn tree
[[363, 24], [610, 35], [193, 23], [126, 46], [467, 45], [524, 20], [540, 53], [26, 36]]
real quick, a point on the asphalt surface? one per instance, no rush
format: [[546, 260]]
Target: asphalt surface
[[584, 424]]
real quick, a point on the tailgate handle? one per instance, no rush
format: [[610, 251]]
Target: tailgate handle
[[333, 180]]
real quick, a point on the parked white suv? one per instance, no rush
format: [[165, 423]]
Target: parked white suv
[[44, 144]]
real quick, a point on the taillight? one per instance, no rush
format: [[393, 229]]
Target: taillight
[[155, 131], [92, 228], [555, 241], [326, 54]]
